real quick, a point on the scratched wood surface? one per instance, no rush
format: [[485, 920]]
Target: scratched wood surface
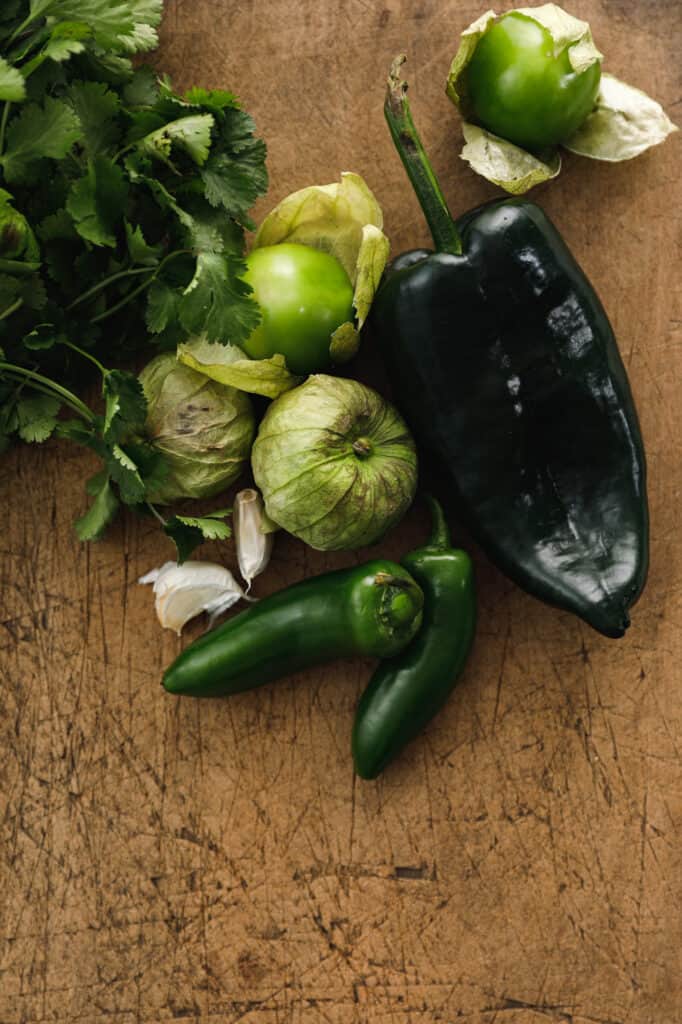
[[521, 863]]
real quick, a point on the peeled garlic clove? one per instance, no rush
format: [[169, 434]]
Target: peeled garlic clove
[[254, 547], [184, 591]]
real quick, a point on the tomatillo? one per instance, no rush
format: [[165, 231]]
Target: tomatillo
[[520, 91], [304, 295]]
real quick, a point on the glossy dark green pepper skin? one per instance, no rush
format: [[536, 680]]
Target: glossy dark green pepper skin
[[373, 609], [505, 366], [407, 690]]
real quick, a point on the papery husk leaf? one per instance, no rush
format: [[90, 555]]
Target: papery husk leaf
[[512, 168], [228, 364], [456, 87], [624, 123], [343, 219], [345, 342], [566, 31]]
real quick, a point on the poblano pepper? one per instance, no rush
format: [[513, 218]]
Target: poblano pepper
[[504, 364], [408, 689]]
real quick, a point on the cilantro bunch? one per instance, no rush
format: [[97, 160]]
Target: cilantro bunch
[[123, 208]]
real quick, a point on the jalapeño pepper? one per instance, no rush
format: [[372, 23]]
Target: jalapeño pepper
[[505, 366], [373, 609], [407, 690]]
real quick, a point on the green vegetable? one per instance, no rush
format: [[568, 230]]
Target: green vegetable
[[123, 208], [304, 296], [533, 428], [341, 225], [188, 532], [523, 90], [531, 79], [204, 430], [372, 609], [335, 463], [408, 689]]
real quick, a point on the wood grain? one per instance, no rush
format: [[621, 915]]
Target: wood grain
[[218, 862]]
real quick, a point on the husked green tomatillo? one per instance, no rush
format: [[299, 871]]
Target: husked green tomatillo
[[203, 429], [520, 88], [335, 463], [304, 296]]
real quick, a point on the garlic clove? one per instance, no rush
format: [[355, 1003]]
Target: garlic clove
[[254, 546], [185, 591]]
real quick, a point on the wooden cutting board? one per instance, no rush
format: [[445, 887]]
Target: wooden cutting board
[[163, 859]]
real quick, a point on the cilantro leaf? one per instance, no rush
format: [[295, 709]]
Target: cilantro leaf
[[82, 433], [235, 174], [125, 474], [94, 522], [96, 107], [33, 292], [66, 38], [147, 17], [38, 131], [56, 227], [217, 303], [97, 200], [162, 306], [134, 165], [214, 99], [212, 526], [188, 532], [191, 133], [143, 89], [139, 250], [93, 484], [119, 25], [186, 538], [237, 130], [42, 337], [12, 84], [126, 405], [37, 417], [151, 463], [9, 290], [235, 183]]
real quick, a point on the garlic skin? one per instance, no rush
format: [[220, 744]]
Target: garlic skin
[[184, 591], [254, 547]]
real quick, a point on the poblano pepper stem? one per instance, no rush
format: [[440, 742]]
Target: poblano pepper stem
[[416, 162]]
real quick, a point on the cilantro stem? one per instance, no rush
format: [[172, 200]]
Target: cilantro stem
[[155, 512], [140, 288], [86, 355], [11, 309], [25, 23], [123, 302], [47, 386], [3, 125], [91, 292]]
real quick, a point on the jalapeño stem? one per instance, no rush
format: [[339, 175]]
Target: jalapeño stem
[[416, 163], [440, 534]]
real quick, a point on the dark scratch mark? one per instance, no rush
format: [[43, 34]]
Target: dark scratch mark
[[422, 872], [501, 675]]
